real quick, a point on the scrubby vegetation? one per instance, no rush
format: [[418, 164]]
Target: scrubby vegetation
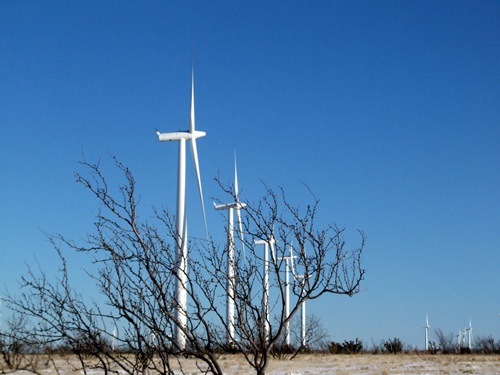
[[18, 354], [394, 345], [347, 347]]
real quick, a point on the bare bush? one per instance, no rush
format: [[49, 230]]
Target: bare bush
[[19, 350], [136, 272], [347, 347], [393, 346], [487, 345], [446, 342]]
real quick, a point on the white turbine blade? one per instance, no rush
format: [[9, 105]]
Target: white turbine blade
[[292, 261], [240, 230], [192, 121], [236, 192], [238, 213], [273, 253], [194, 150]]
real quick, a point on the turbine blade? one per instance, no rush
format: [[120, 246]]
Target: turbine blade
[[194, 151], [191, 119], [236, 191], [240, 230], [273, 253]]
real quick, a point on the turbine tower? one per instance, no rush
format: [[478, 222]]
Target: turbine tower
[[265, 282], [287, 293], [426, 333], [302, 280], [469, 335], [230, 207], [113, 339], [459, 339], [181, 225]]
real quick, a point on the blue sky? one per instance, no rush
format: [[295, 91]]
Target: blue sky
[[389, 111]]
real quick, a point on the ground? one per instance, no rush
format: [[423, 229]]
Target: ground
[[360, 364]]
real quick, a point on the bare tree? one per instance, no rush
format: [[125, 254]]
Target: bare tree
[[134, 275], [324, 263], [130, 326], [487, 345], [446, 342], [16, 348], [317, 336]]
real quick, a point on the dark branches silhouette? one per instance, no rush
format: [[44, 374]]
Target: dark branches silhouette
[[129, 326]]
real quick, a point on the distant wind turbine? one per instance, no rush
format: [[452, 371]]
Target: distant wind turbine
[[426, 333], [230, 207], [469, 335], [287, 292], [181, 241], [302, 280], [113, 339], [460, 339], [265, 282]]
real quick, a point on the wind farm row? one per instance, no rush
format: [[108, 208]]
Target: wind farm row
[[181, 246], [464, 337]]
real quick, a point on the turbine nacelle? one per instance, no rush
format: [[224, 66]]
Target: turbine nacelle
[[176, 136], [228, 206]]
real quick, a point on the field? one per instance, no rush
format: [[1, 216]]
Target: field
[[363, 364], [389, 364]]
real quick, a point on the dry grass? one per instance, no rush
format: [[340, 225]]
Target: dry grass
[[313, 364]]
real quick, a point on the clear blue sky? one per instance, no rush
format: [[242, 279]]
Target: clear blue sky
[[388, 110]]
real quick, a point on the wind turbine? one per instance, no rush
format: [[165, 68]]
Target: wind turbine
[[113, 339], [302, 282], [265, 282], [426, 333], [287, 293], [469, 334], [459, 339], [230, 207], [181, 225]]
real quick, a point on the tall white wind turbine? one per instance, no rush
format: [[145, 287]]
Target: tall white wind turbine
[[426, 333], [230, 207], [181, 225]]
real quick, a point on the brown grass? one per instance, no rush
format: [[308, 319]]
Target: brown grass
[[359, 364]]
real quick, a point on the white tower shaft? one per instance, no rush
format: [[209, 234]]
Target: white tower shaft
[[287, 302], [266, 290], [181, 251], [426, 333], [265, 285], [230, 278], [303, 324], [288, 267]]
